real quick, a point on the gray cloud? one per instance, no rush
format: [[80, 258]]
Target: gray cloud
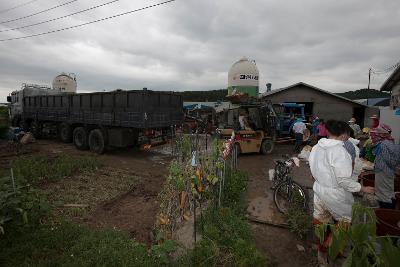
[[190, 44]]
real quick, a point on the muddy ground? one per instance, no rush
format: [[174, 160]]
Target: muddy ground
[[122, 194], [278, 244]]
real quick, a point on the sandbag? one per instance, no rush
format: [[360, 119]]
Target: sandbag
[[27, 138]]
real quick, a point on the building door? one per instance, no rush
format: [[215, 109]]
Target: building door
[[358, 114]]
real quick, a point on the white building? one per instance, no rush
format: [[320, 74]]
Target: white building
[[391, 115]]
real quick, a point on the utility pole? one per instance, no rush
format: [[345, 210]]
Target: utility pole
[[369, 82]]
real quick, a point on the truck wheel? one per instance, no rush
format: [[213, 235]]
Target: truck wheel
[[96, 141], [65, 133], [80, 138], [36, 129], [267, 146], [16, 121]]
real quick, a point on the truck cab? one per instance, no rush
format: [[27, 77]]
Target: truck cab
[[15, 99]]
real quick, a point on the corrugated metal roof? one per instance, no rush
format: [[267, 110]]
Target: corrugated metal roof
[[392, 80], [312, 87]]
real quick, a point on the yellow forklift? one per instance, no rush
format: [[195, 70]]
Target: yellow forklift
[[259, 135]]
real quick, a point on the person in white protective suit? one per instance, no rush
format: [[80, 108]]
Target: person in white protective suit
[[331, 167]]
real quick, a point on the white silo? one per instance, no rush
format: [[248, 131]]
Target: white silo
[[243, 77], [65, 83]]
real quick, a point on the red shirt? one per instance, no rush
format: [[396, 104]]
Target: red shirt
[[321, 130]]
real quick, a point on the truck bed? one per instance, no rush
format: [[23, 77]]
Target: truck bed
[[135, 108]]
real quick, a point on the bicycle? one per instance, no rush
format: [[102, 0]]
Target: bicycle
[[287, 193]]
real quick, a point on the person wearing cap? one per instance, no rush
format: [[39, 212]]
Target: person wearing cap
[[375, 121], [354, 126], [298, 129]]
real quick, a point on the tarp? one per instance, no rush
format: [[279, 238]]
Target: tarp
[[197, 106]]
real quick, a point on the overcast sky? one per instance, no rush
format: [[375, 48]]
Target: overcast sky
[[191, 44]]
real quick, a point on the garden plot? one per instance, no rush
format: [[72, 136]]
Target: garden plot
[[120, 193]]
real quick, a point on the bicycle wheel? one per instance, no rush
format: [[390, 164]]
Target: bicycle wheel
[[289, 194]]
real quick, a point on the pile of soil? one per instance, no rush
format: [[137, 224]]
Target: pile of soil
[[134, 211]]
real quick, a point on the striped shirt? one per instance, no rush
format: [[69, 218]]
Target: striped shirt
[[387, 158], [350, 149]]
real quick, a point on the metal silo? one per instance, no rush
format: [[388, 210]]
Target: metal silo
[[65, 83], [243, 77]]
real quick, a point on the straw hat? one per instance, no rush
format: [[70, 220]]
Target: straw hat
[[353, 120]]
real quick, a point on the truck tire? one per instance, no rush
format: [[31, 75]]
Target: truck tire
[[267, 146], [16, 121], [80, 138], [65, 132], [96, 141]]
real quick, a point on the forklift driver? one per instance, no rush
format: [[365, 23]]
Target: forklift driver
[[244, 124]]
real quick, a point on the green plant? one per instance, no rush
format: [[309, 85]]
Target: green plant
[[176, 176], [235, 187], [299, 221], [216, 149], [161, 252], [20, 204], [185, 147], [363, 240]]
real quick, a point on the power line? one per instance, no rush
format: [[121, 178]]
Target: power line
[[62, 17], [17, 6], [87, 23], [40, 12]]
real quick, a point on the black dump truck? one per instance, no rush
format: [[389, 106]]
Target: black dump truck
[[99, 120]]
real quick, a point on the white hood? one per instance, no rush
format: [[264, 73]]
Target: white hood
[[327, 143]]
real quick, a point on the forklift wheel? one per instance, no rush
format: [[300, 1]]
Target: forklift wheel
[[267, 146]]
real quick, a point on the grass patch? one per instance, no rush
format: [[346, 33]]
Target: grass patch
[[67, 244], [34, 169]]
